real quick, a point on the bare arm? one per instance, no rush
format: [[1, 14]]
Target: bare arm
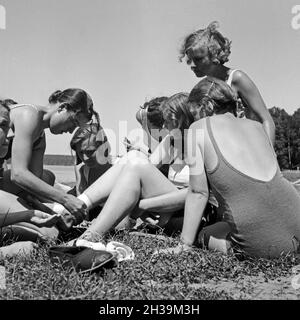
[[165, 203], [24, 166], [162, 154], [38, 218], [25, 124], [197, 195], [250, 94]]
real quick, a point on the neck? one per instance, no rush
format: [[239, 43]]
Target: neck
[[48, 110], [218, 71]]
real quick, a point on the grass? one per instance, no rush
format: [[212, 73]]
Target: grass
[[197, 275], [200, 275]]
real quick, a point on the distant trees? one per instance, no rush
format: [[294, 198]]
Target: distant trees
[[287, 140]]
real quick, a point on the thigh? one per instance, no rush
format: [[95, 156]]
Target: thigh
[[153, 182]]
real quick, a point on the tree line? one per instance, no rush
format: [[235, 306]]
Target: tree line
[[287, 140]]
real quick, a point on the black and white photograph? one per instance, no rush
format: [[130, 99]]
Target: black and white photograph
[[149, 151]]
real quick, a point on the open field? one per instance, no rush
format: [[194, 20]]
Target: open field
[[194, 275]]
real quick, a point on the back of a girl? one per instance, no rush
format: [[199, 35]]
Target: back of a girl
[[260, 207], [251, 154]]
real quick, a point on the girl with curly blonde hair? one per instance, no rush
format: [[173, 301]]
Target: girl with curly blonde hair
[[207, 51]]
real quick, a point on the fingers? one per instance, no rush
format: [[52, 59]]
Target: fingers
[[152, 221]]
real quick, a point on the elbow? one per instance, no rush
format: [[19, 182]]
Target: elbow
[[199, 193], [17, 176]]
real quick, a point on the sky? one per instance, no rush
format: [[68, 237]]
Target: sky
[[125, 52]]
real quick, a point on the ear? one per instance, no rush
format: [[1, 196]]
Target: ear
[[61, 107]]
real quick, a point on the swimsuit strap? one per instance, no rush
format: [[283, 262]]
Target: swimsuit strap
[[212, 138], [144, 119], [15, 106], [226, 163], [230, 77]]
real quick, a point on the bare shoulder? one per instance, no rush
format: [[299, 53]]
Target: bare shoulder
[[199, 124], [241, 79], [138, 116], [26, 119]]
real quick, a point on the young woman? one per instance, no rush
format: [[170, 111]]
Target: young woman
[[258, 209], [12, 211], [65, 111], [151, 120], [207, 50], [134, 184], [92, 152]]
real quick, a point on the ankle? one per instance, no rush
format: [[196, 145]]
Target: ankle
[[91, 236]]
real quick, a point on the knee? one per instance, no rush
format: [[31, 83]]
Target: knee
[[133, 155], [136, 164]]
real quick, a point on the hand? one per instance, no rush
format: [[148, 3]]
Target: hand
[[76, 207], [66, 222], [42, 219]]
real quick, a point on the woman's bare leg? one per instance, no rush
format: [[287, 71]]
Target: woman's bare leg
[[99, 191], [138, 179]]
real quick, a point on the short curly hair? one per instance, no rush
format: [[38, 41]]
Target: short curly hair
[[217, 45]]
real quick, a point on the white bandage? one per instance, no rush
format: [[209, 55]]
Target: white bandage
[[83, 197], [58, 208]]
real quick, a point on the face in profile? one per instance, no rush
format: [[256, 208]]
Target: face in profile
[[199, 60], [63, 121], [4, 127]]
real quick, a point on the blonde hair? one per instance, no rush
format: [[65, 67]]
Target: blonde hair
[[218, 46]]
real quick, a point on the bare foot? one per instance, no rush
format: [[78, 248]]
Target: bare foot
[[18, 248]]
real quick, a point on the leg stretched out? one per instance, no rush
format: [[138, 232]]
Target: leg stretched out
[[100, 190], [138, 179]]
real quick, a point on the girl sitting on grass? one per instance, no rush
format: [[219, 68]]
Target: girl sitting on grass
[[258, 213], [12, 211], [65, 111], [134, 185], [93, 158]]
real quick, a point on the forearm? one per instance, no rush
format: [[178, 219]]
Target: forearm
[[169, 202], [9, 218], [193, 211], [29, 182]]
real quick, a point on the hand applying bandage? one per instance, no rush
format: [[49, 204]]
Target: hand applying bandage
[[77, 216]]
